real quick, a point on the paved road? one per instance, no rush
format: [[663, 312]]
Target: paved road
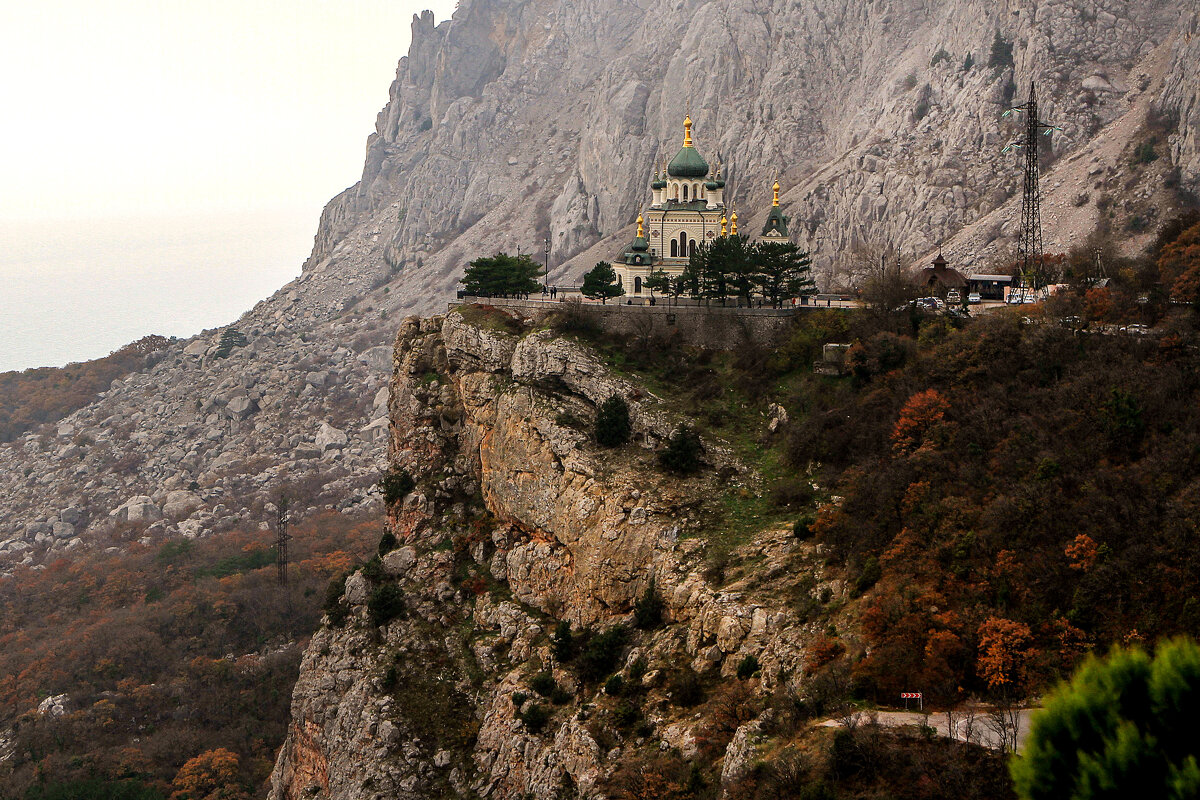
[[981, 728]]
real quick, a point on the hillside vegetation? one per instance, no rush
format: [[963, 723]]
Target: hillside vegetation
[[47, 394], [1003, 494], [176, 661]]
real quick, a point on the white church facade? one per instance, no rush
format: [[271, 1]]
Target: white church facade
[[687, 209]]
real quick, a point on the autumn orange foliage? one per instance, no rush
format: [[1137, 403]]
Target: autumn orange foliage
[[919, 416]]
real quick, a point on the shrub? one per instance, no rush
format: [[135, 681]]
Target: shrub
[[747, 667], [599, 656], [1001, 56], [385, 603], [647, 610], [333, 607], [518, 699], [637, 670], [562, 643], [560, 696], [387, 543], [230, 338], [535, 717], [615, 686], [938, 57], [543, 683], [613, 427], [1145, 153], [626, 714], [802, 529], [686, 690], [683, 451], [373, 570], [395, 485], [869, 576]]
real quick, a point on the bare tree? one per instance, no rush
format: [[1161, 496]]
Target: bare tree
[[1004, 723], [884, 279]]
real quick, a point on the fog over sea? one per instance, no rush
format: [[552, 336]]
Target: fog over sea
[[73, 291]]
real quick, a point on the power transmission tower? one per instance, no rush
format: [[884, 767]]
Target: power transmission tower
[[1032, 280], [282, 537]]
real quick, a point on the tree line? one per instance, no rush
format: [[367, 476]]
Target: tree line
[[728, 268]]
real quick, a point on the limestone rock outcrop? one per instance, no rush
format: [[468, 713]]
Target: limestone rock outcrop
[[519, 523]]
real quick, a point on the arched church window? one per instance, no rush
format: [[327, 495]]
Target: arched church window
[[692, 247], [677, 191], [637, 284], [683, 244], [703, 194], [674, 248], [685, 192]]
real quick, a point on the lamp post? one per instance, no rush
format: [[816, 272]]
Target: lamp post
[[546, 277]]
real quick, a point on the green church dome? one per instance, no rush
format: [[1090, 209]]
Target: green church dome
[[687, 163]]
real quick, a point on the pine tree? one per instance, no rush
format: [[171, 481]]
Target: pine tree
[[502, 274], [600, 283], [783, 272]]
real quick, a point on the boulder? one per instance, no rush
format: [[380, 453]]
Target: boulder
[[137, 509], [317, 380], [62, 530], [180, 503], [241, 407], [330, 438], [399, 561], [376, 431]]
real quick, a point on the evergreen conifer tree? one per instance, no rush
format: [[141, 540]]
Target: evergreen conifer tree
[[600, 283]]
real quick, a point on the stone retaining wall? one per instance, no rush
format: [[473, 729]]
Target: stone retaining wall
[[715, 328]]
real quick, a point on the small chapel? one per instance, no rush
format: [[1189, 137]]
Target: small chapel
[[687, 209]]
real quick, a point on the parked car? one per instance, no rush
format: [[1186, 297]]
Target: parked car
[[974, 298]]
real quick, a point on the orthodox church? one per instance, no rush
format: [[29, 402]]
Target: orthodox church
[[688, 209]]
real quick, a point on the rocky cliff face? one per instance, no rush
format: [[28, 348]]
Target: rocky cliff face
[[519, 120], [517, 524]]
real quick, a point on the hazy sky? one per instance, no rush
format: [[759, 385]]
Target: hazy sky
[[134, 108]]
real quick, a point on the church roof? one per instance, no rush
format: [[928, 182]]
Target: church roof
[[776, 221], [687, 163]]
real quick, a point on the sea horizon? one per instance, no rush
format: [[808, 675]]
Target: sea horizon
[[73, 290]]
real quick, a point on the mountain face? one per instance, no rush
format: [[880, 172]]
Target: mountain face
[[517, 526], [519, 120]]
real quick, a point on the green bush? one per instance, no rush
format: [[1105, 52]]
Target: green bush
[[1001, 56], [395, 485], [535, 717], [373, 570], [613, 427], [385, 603], [230, 338], [600, 655], [637, 670], [626, 714], [333, 606], [518, 699], [802, 529], [562, 643], [747, 667], [683, 452], [1145, 153], [869, 576], [560, 696], [1123, 727], [543, 683], [647, 610], [387, 543], [615, 686]]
